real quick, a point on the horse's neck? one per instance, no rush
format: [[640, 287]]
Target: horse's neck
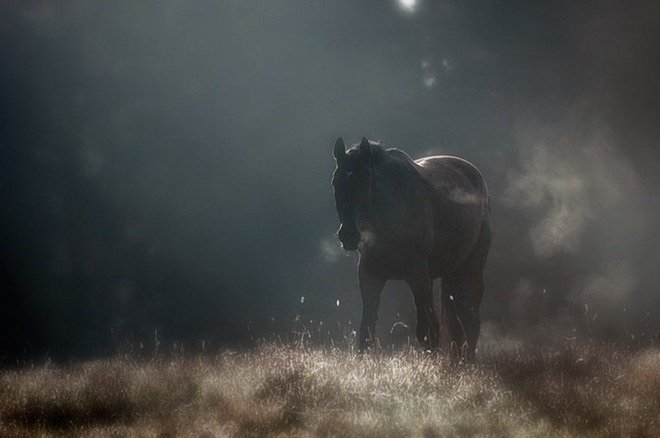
[[397, 201]]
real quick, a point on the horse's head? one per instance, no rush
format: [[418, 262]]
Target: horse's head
[[351, 182]]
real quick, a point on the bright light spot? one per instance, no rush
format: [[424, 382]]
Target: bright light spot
[[408, 5], [337, 303], [429, 81], [302, 299]]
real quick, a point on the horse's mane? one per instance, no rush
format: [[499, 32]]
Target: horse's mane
[[394, 160], [401, 159]]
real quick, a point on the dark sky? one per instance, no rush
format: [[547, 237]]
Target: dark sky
[[166, 165]]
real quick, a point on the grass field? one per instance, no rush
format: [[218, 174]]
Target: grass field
[[275, 390]]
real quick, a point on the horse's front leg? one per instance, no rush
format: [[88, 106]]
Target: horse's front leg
[[371, 286], [421, 284]]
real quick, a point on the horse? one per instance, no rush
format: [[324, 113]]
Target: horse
[[416, 220]]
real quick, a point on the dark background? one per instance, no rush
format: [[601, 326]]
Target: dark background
[[165, 166]]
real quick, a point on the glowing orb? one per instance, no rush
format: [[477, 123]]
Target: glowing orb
[[408, 5]]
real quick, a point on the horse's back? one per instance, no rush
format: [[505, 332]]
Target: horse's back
[[447, 172]]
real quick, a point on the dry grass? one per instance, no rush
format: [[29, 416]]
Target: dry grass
[[572, 391]]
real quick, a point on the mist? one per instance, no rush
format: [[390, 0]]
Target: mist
[[166, 166]]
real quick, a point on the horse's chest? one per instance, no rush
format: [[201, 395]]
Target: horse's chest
[[390, 264]]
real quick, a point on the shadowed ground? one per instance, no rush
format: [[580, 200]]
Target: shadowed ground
[[570, 391]]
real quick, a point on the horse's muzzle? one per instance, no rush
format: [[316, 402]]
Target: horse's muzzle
[[349, 236]]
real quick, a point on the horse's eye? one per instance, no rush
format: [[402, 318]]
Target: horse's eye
[[350, 176]]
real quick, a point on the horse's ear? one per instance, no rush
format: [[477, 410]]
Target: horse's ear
[[340, 149], [365, 147]]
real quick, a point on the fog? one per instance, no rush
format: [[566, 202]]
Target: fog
[[166, 166]]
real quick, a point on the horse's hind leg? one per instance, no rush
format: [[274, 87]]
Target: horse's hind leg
[[461, 296], [462, 291], [454, 327]]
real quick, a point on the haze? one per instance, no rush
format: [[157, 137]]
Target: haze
[[166, 166]]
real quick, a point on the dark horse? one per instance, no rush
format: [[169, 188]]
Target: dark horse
[[417, 221]]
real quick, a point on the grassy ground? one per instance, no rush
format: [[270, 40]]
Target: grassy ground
[[570, 391]]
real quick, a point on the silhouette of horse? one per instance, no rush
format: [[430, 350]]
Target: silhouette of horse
[[417, 221]]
